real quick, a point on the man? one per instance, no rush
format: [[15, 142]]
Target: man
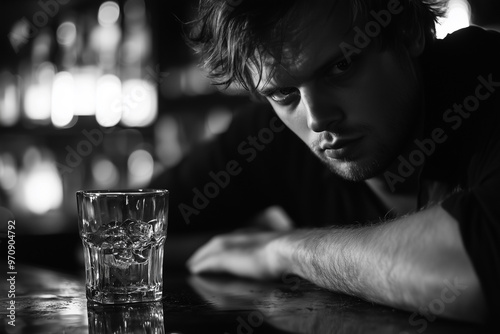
[[406, 123]]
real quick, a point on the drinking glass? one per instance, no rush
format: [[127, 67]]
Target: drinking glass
[[123, 235]]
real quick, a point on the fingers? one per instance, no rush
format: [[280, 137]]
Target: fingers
[[214, 258], [212, 247], [211, 256], [209, 262], [237, 254]]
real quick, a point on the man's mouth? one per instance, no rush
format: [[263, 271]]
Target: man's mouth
[[341, 148]]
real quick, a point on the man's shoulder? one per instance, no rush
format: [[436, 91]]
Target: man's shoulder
[[452, 66], [474, 35], [462, 97], [468, 44]]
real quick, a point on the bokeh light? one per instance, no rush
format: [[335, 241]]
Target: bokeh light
[[109, 100], [37, 102], [66, 33], [105, 173], [43, 189], [40, 183], [109, 13], [140, 166], [218, 120], [85, 80], [38, 95], [8, 171], [140, 105], [167, 143], [9, 99], [63, 99]]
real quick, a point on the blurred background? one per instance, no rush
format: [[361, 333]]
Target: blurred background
[[105, 94]]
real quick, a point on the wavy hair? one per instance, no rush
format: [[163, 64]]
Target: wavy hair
[[234, 37]]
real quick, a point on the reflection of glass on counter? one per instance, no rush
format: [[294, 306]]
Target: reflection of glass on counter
[[137, 318]]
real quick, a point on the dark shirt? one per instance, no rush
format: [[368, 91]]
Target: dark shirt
[[462, 75], [258, 163]]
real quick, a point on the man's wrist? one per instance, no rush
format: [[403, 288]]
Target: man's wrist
[[285, 252]]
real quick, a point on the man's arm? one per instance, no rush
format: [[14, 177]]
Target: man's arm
[[410, 263]]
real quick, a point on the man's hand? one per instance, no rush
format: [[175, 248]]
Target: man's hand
[[248, 254]]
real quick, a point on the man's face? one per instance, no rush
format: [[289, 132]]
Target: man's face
[[355, 116]]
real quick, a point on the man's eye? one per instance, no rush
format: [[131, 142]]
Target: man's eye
[[284, 95], [341, 67]]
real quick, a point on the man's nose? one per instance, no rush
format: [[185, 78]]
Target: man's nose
[[320, 108]]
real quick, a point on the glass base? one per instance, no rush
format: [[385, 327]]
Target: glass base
[[139, 296]]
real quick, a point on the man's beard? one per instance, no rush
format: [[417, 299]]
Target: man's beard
[[353, 170], [382, 156]]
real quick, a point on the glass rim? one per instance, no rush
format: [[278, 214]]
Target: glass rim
[[117, 192]]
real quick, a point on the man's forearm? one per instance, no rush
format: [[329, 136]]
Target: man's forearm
[[406, 263]]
